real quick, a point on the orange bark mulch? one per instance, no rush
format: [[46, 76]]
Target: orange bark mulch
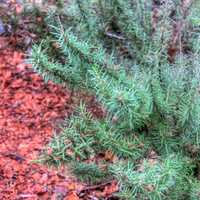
[[29, 110]]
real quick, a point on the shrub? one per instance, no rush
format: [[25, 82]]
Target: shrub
[[141, 60]]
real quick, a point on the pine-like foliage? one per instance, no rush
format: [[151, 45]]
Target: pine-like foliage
[[153, 179], [119, 51]]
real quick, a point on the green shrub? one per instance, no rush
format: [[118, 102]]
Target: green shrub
[[120, 52]]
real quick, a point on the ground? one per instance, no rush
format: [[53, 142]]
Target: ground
[[29, 112]]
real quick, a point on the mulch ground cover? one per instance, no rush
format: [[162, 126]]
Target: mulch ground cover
[[29, 111]]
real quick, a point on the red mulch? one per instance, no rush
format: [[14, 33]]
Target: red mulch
[[29, 110]]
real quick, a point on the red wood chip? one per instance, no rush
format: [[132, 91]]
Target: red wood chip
[[29, 109]]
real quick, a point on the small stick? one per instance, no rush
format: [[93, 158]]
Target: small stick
[[95, 186], [13, 156]]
